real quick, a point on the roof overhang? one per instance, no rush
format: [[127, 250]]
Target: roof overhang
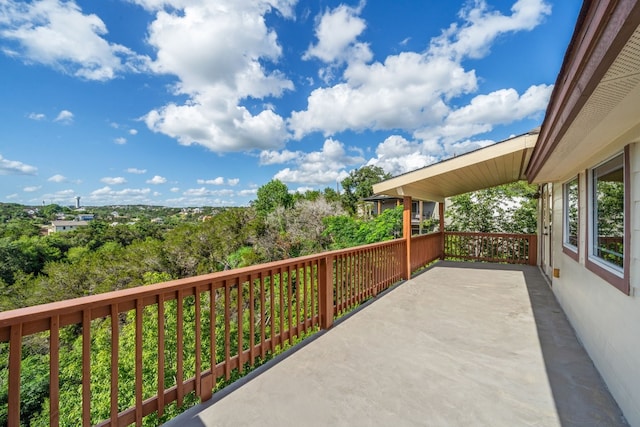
[[594, 109], [497, 164]]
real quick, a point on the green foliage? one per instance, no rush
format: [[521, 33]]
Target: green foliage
[[271, 195], [104, 256], [296, 231], [507, 208], [193, 249], [347, 231], [359, 184]]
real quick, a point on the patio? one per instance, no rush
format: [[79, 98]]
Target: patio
[[459, 344]]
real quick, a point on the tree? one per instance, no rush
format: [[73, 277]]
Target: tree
[[331, 195], [359, 185], [296, 231], [271, 195], [346, 231], [509, 208]]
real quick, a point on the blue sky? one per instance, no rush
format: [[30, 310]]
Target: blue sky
[[196, 102]]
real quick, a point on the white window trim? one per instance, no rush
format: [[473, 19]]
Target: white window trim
[[565, 215], [617, 276]]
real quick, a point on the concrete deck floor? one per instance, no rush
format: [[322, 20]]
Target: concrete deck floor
[[458, 345]]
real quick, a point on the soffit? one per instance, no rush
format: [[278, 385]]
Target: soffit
[[497, 164]]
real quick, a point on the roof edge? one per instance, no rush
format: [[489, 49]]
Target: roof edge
[[602, 30]]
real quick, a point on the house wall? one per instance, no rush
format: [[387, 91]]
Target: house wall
[[605, 319]]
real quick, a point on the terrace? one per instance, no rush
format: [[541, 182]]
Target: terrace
[[460, 343]]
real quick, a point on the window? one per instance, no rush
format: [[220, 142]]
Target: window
[[607, 252], [570, 212]]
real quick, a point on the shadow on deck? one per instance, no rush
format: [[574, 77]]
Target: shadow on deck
[[459, 344]]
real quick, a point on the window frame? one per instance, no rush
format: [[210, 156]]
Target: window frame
[[568, 248], [617, 277]]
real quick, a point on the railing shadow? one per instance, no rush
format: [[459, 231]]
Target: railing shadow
[[580, 395]]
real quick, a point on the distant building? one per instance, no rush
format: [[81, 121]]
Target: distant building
[[64, 226], [85, 217], [77, 202], [420, 211]]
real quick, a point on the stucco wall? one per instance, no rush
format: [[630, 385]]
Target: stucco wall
[[606, 320]]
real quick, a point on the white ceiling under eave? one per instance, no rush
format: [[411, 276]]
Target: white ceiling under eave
[[497, 164], [609, 120]]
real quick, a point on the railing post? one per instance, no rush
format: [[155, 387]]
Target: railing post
[[442, 237], [406, 234], [325, 291], [15, 359], [533, 249]]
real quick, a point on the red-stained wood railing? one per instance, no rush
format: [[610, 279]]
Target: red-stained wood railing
[[425, 249], [202, 329], [363, 272], [214, 327], [491, 247]]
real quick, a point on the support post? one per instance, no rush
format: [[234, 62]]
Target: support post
[[441, 217], [420, 215], [325, 289], [533, 249], [406, 234]]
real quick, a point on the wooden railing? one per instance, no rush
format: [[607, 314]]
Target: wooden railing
[[363, 272], [165, 342], [425, 249], [491, 247], [172, 342]]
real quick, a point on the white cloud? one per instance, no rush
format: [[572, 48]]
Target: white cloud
[[228, 43], [60, 197], [174, 189], [396, 155], [416, 92], [337, 32], [482, 26], [203, 191], [120, 140], [273, 157], [14, 167], [36, 116], [320, 167], [56, 33], [12, 196], [218, 126], [31, 189], [124, 192], [157, 179], [486, 111], [133, 132], [406, 91], [64, 117], [302, 190], [136, 171], [217, 181], [248, 192], [107, 195], [57, 178], [113, 180]]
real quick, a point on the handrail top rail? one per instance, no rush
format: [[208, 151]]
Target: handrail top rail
[[42, 311], [482, 233]]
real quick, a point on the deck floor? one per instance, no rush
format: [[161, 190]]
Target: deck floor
[[461, 344]]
